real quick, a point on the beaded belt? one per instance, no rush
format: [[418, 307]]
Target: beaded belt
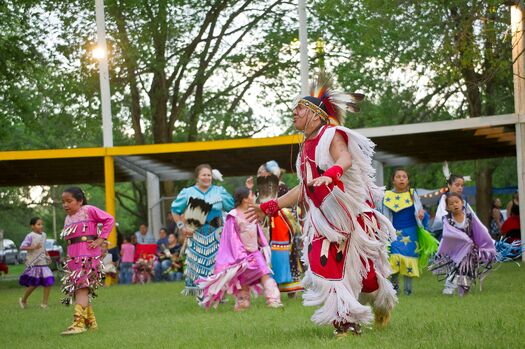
[[78, 239]]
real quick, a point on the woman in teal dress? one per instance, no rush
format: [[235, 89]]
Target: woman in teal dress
[[198, 213]]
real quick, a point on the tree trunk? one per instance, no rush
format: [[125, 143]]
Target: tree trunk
[[130, 63], [484, 191], [464, 40]]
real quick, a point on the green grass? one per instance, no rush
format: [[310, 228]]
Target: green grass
[[157, 316]]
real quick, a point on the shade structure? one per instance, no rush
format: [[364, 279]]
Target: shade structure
[[398, 145]]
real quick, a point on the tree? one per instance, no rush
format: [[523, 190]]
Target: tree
[[173, 77], [424, 61]]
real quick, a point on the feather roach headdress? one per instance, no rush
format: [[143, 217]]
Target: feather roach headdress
[[330, 105]]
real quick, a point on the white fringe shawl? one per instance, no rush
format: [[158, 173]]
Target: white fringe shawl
[[336, 219]]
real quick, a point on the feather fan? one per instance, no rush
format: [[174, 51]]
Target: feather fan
[[196, 213]]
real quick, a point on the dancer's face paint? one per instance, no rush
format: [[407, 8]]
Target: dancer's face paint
[[70, 204], [301, 116]]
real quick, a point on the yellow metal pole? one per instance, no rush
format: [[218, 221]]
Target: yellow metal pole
[[109, 181]]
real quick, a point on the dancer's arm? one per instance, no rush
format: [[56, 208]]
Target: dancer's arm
[[341, 155], [183, 229], [289, 199]]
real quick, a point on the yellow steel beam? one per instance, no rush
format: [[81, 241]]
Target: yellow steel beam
[[109, 184], [52, 154], [202, 146], [149, 149]]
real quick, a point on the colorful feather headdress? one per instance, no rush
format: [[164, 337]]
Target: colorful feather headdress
[[330, 105]]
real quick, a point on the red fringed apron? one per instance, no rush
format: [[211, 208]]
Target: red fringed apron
[[327, 259]]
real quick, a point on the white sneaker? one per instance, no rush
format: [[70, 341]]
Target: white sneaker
[[448, 291], [275, 305], [22, 304]]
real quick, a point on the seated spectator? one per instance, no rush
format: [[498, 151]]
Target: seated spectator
[[144, 236], [110, 269], [511, 228], [115, 251], [175, 273], [514, 202], [171, 226], [162, 242], [169, 265], [127, 253], [143, 268]]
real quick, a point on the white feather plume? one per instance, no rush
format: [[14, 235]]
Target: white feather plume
[[446, 170], [216, 175]]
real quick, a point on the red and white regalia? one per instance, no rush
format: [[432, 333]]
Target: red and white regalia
[[345, 237]]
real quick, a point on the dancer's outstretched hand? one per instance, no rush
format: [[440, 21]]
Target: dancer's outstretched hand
[[317, 182], [254, 213]]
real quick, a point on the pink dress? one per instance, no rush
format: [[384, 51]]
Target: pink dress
[[240, 261], [83, 267]]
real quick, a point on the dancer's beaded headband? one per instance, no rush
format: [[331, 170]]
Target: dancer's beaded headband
[[331, 106], [318, 111]]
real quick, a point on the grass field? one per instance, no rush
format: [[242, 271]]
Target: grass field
[[158, 316]]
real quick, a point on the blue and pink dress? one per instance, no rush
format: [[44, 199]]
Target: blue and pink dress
[[202, 247]]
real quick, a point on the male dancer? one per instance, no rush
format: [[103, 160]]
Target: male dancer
[[345, 237]]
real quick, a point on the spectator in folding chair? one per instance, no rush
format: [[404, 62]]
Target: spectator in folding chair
[[144, 261]]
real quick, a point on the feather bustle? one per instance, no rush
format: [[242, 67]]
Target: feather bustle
[[337, 103]]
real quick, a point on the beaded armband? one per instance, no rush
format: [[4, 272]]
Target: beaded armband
[[335, 172], [270, 208]]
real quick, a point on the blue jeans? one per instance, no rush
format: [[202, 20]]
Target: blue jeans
[[160, 268], [175, 276], [126, 272]]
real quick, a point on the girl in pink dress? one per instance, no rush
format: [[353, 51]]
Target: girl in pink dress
[[241, 266], [85, 229]]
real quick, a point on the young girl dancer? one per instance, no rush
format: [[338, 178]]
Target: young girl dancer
[[37, 272], [456, 184], [240, 266], [414, 244], [466, 251], [83, 267]]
